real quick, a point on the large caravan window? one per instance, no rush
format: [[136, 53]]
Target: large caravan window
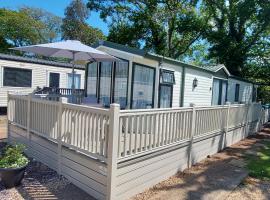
[[15, 77], [121, 83], [105, 83], [143, 86]]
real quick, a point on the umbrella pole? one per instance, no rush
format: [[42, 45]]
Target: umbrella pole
[[73, 77]]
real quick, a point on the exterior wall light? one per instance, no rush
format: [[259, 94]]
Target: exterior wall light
[[195, 82]]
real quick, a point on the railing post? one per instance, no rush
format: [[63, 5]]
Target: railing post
[[227, 123], [28, 135], [247, 125], [112, 150], [192, 131], [8, 116], [59, 136]]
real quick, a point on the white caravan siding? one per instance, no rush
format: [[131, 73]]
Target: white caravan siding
[[202, 94], [40, 77], [245, 91]]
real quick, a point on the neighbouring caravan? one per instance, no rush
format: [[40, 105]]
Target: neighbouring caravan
[[146, 80], [23, 75]]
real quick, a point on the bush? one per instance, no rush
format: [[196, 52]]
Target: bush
[[13, 157]]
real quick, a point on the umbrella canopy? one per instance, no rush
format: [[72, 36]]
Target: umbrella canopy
[[72, 49]]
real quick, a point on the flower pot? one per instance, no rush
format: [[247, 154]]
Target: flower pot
[[12, 177]]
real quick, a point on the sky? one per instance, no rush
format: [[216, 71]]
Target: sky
[[56, 7]]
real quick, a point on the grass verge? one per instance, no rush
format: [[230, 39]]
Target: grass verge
[[259, 166]]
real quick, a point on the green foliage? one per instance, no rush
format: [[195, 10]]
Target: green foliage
[[235, 29], [51, 29], [74, 25], [18, 29], [164, 27], [13, 157], [259, 166]]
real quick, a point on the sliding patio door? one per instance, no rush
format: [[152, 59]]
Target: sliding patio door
[[219, 92], [120, 83], [105, 83], [92, 77], [143, 82]]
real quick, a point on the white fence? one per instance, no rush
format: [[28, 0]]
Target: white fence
[[115, 136], [82, 128]]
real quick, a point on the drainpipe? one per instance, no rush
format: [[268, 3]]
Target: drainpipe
[[183, 86]]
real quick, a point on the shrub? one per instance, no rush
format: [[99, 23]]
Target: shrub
[[13, 157]]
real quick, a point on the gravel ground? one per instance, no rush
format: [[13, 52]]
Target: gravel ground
[[251, 188], [197, 182], [43, 183]]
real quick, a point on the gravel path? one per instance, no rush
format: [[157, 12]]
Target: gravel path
[[215, 177], [43, 183]]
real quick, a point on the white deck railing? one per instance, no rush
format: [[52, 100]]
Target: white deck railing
[[79, 127], [133, 132]]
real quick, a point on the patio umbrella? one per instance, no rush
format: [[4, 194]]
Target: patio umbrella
[[72, 49]]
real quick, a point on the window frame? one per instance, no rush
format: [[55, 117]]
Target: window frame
[[161, 77], [23, 69], [132, 83], [220, 91]]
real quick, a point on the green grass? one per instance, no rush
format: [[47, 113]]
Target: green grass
[[259, 166]]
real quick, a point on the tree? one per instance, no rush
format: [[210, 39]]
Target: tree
[[18, 29], [74, 25], [52, 23], [166, 27], [236, 28]]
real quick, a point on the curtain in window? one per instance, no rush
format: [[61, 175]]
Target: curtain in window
[[121, 83], [105, 83], [143, 87], [92, 80], [77, 81]]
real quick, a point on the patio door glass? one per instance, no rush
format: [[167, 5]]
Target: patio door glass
[[92, 81], [105, 83], [219, 92], [121, 83], [142, 87], [165, 96], [77, 81]]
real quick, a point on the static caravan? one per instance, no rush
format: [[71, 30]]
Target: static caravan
[[23, 75], [145, 80]]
